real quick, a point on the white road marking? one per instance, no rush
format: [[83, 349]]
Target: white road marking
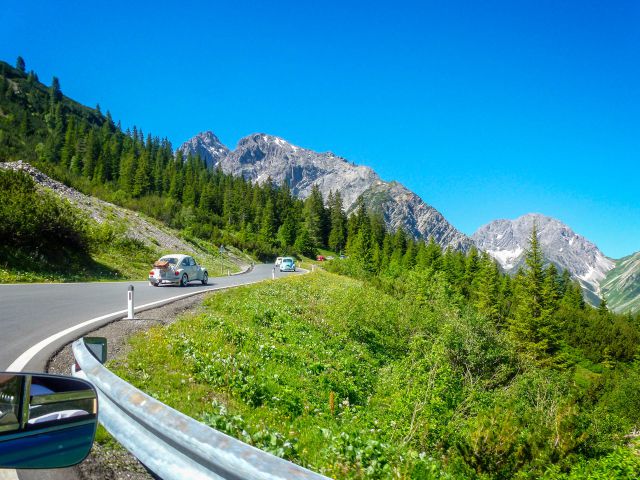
[[22, 361]]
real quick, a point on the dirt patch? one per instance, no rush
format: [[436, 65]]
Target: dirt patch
[[112, 461]]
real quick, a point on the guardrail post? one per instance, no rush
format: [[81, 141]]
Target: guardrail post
[[273, 273], [130, 303]]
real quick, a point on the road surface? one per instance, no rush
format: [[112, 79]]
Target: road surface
[[31, 314]]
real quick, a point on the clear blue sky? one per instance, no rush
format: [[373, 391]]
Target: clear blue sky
[[485, 109]]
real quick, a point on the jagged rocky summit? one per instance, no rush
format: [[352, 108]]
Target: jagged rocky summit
[[260, 157], [508, 240]]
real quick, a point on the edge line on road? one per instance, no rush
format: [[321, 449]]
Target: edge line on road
[[22, 361]]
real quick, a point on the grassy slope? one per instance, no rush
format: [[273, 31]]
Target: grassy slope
[[114, 255], [621, 286], [343, 379]]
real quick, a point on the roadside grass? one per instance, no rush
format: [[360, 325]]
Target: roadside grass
[[119, 258], [289, 366], [335, 375], [112, 256]]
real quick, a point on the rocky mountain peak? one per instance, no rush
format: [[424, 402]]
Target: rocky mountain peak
[[508, 240], [208, 146]]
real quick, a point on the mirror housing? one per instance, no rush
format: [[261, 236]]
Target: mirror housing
[[98, 347], [46, 421]]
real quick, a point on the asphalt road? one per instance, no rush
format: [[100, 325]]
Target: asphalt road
[[31, 313]]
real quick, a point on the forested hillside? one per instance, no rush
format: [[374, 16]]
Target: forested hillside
[[86, 149]]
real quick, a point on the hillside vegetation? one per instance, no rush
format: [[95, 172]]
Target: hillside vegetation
[[46, 237], [335, 375]]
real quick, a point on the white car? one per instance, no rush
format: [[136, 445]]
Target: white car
[[288, 264], [177, 269]]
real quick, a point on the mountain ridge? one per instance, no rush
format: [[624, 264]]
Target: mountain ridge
[[260, 156]]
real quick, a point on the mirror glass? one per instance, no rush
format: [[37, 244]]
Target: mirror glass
[[46, 421]]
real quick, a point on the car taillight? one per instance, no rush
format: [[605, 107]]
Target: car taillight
[[151, 273], [177, 273]]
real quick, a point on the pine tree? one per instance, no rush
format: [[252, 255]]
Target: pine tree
[[338, 220], [141, 180], [550, 290], [304, 243], [55, 94], [91, 153], [486, 287], [603, 309], [573, 297], [268, 223], [409, 257], [430, 255], [287, 232], [532, 327], [21, 65], [316, 217]]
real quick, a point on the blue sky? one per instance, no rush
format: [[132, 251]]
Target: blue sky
[[485, 109]]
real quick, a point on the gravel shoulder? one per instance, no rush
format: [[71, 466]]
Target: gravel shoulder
[[112, 461]]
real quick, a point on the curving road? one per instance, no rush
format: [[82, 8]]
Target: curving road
[[31, 314]]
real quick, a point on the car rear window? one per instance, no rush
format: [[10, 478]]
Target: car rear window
[[171, 260]]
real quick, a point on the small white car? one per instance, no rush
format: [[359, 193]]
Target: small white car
[[288, 264], [177, 269]]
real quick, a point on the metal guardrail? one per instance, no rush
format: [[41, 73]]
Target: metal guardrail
[[171, 444]]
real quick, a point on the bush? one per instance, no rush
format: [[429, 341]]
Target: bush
[[37, 220]]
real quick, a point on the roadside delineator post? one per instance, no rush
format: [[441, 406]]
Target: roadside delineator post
[[273, 273], [130, 303]]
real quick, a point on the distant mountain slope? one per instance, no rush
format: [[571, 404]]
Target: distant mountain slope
[[621, 286], [259, 157], [401, 207], [507, 241]]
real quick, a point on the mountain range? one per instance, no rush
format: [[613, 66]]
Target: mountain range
[[261, 157]]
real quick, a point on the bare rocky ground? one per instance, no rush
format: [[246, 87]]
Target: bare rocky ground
[[113, 462]]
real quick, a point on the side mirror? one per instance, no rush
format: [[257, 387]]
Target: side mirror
[[46, 421]]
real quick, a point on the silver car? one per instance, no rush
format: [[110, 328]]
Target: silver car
[[177, 269]]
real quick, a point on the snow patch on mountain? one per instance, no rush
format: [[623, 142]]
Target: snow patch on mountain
[[507, 258]]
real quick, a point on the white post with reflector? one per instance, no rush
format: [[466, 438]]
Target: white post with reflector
[[130, 303]]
